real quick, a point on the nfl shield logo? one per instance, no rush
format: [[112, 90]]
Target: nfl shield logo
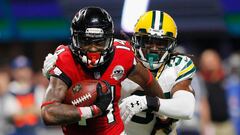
[[118, 72]]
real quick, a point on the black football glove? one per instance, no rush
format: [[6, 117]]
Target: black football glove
[[103, 99]]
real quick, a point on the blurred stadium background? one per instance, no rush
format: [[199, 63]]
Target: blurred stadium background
[[36, 27]]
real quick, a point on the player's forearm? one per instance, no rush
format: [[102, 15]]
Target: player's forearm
[[58, 114], [145, 79], [181, 106]]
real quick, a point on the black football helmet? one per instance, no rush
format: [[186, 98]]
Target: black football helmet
[[92, 26]]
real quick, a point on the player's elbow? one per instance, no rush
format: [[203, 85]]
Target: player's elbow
[[47, 116]]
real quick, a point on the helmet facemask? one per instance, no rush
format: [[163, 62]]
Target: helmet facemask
[[93, 56], [153, 50]]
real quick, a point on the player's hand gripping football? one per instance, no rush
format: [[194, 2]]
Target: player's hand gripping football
[[48, 64], [104, 98], [135, 104]]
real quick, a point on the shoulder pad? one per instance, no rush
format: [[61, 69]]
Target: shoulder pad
[[184, 66]]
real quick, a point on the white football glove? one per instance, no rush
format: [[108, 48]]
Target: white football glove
[[131, 106], [48, 64]]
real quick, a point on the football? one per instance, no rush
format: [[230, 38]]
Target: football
[[84, 93]]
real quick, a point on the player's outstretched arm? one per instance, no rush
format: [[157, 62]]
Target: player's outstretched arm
[[181, 106], [182, 103], [143, 77]]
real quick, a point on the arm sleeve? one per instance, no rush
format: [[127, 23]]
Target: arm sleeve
[[180, 106]]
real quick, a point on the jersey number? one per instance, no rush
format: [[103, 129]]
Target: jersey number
[[175, 61]]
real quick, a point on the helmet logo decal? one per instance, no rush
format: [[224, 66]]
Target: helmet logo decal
[[77, 16], [118, 72]]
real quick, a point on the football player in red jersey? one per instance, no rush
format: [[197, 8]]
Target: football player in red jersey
[[95, 54]]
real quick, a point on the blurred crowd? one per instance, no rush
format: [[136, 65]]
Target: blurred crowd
[[216, 85], [217, 92], [21, 93]]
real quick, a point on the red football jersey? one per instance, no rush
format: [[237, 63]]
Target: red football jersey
[[68, 70]]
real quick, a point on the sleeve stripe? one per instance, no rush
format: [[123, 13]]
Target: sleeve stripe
[[123, 47], [193, 69], [187, 68], [187, 65]]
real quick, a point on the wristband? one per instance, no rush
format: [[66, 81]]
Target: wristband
[[153, 103], [85, 112]]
